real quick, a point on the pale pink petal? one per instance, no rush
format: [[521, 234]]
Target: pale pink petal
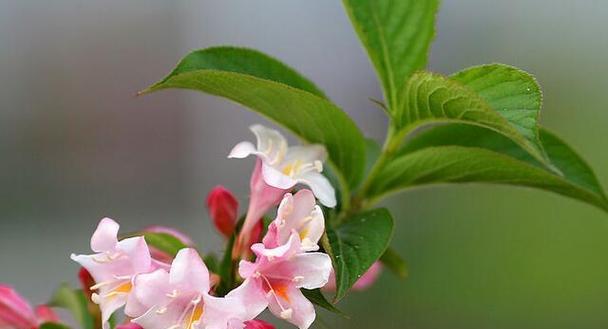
[[108, 306], [303, 204], [163, 316], [148, 290], [293, 307], [276, 178], [307, 270], [252, 298], [242, 150], [220, 313], [263, 197], [247, 268], [291, 247], [189, 272], [313, 230], [105, 236], [320, 186], [138, 253]]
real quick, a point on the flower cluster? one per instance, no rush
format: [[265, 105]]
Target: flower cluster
[[161, 292], [164, 290]]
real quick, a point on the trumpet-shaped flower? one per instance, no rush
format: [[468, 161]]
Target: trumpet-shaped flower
[[278, 169], [300, 214], [113, 266], [179, 299], [16, 312], [283, 167], [278, 274]]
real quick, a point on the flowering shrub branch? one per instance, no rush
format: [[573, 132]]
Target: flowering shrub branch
[[481, 125]]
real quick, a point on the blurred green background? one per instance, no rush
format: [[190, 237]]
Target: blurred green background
[[76, 145]]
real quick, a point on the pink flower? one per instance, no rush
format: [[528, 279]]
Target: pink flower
[[258, 324], [16, 312], [365, 281], [180, 298], [297, 214], [278, 169], [277, 276], [161, 256], [263, 197], [113, 266], [223, 208], [283, 167]]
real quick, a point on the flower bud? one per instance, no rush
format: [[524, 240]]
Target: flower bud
[[86, 281], [258, 324], [46, 314], [15, 311], [223, 208]]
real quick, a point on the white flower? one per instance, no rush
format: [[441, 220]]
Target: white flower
[[283, 167]]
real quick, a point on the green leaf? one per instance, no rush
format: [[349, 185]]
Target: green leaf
[[356, 244], [513, 93], [459, 164], [431, 98], [316, 297], [75, 301], [53, 325], [278, 93], [164, 242], [245, 61], [397, 35], [574, 170], [391, 260]]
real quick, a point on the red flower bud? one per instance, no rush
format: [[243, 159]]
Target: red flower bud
[[86, 281], [223, 207], [258, 324]]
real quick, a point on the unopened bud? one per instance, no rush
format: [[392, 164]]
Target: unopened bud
[[223, 208]]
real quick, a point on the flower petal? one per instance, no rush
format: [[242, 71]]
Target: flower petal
[[293, 307], [306, 153], [288, 249], [271, 143], [252, 297], [148, 290], [105, 236], [137, 252], [276, 178], [310, 270], [320, 186], [242, 150], [189, 272], [313, 230]]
